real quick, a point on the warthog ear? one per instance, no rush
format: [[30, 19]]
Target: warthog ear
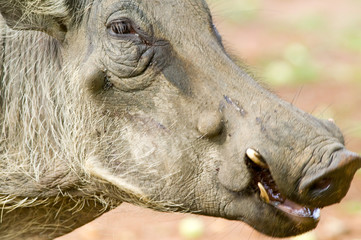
[[50, 16]]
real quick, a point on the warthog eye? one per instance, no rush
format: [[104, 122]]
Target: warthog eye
[[120, 27]]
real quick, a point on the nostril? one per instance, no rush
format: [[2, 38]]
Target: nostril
[[329, 185], [321, 186]]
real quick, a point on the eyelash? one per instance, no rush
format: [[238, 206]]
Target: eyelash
[[121, 27]]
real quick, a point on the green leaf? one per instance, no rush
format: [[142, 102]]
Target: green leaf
[[351, 207], [279, 72], [352, 40], [306, 236], [297, 54]]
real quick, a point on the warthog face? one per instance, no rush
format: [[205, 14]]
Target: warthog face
[[166, 119]]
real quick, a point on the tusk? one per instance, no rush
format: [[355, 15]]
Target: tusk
[[256, 158], [264, 196]]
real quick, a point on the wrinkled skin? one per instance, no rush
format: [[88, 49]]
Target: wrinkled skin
[[154, 112]]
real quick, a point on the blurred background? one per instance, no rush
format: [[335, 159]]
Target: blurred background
[[309, 53]]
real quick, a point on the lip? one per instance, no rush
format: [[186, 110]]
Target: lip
[[270, 194], [269, 219], [295, 210], [301, 216]]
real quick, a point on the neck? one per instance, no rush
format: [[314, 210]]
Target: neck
[[43, 190], [28, 89]]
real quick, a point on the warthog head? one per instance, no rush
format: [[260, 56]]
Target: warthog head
[[137, 100]]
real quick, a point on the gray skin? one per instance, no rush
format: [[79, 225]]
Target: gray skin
[[127, 100]]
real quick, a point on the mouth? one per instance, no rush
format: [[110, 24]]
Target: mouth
[[269, 193]]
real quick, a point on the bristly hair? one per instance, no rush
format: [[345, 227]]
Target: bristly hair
[[60, 9], [77, 9], [30, 13]]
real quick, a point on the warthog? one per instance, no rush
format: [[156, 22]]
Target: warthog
[[111, 101]]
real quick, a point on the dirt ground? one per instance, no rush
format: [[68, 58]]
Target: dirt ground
[[259, 32]]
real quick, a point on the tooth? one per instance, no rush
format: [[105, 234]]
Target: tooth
[[264, 196], [256, 158]]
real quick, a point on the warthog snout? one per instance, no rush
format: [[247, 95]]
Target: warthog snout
[[325, 187], [295, 165], [318, 188], [329, 185]]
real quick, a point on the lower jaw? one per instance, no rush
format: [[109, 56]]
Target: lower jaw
[[275, 220], [294, 227], [270, 220]]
